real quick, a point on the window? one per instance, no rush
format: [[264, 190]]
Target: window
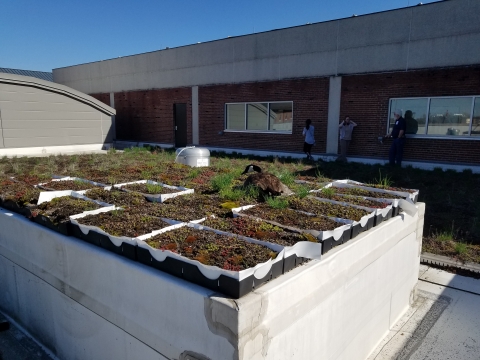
[[262, 117], [236, 117], [414, 112], [439, 116], [257, 116], [449, 116]]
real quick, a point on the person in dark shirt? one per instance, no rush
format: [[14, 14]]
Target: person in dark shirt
[[395, 154]]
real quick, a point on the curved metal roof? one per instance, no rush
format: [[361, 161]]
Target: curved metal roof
[[57, 88]]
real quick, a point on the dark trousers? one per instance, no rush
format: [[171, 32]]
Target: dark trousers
[[395, 154]]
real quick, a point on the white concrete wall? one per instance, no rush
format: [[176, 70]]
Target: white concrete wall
[[70, 295], [55, 150], [445, 33], [85, 303], [339, 307]]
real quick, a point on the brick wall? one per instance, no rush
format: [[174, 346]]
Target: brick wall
[[147, 115], [310, 101], [103, 97], [365, 99]]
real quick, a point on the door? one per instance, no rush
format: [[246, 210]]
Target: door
[[180, 118]]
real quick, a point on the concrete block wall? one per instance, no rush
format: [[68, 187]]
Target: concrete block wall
[[365, 98]]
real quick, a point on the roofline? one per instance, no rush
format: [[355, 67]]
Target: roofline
[[56, 88], [40, 71], [261, 32]]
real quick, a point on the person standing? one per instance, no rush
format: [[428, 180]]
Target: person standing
[[395, 154], [346, 129], [309, 139]]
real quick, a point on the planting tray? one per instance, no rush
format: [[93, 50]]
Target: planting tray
[[67, 178], [412, 196], [397, 204], [294, 255], [13, 206], [65, 226], [158, 197], [328, 239], [231, 283], [379, 215], [121, 245], [365, 223]]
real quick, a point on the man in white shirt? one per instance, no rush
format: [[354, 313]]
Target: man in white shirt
[[346, 129]]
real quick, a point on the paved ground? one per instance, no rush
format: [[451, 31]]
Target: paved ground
[[443, 324], [15, 345]]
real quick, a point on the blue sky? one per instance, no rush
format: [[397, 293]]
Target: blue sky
[[46, 34]]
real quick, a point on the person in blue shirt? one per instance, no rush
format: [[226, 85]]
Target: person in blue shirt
[[309, 139], [395, 154]]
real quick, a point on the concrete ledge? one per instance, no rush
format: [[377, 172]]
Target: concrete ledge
[[83, 302], [433, 259], [55, 150]]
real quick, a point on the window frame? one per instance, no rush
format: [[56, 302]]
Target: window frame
[[245, 130], [427, 114]]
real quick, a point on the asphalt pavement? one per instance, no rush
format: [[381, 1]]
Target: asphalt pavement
[[16, 345]]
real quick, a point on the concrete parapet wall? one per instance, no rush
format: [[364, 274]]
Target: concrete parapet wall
[[85, 303]]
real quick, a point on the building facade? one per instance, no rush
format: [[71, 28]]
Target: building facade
[[256, 91], [42, 117]]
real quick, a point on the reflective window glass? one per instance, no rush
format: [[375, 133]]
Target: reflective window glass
[[476, 118], [449, 116], [414, 112], [281, 116], [235, 116], [257, 116]]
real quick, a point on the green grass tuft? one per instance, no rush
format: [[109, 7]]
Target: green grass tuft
[[327, 192], [221, 181], [445, 236], [384, 181], [302, 191], [461, 248], [277, 202]]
